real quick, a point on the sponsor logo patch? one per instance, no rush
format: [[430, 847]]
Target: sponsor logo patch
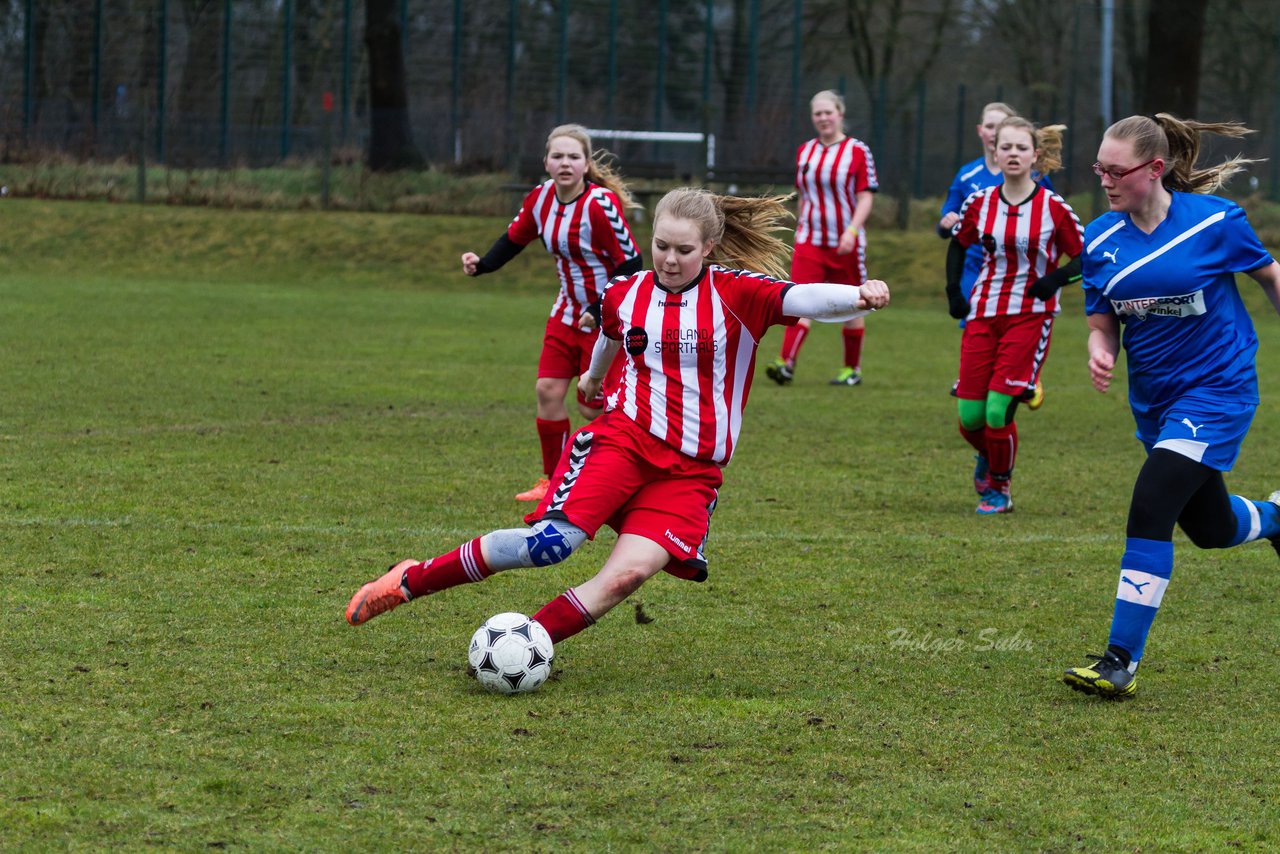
[[1186, 305], [637, 339]]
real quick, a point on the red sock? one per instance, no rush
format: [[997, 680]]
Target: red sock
[[463, 565], [1002, 447], [564, 616], [853, 347], [792, 340], [553, 435], [977, 438]]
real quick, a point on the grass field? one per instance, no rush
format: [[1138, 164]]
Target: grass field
[[216, 425]]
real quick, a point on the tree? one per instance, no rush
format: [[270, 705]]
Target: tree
[[390, 136], [1175, 35], [198, 86]]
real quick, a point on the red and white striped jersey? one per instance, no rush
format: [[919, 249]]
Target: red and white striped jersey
[[690, 357], [589, 237], [829, 178], [1020, 243]]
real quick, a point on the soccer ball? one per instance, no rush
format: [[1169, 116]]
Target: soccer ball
[[511, 653]]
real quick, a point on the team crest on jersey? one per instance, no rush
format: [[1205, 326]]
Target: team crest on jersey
[[989, 243], [637, 340], [1187, 305]]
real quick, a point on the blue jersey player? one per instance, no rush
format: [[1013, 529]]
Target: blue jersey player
[[1159, 270], [978, 175]]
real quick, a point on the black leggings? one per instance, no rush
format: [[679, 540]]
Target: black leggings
[[1173, 489]]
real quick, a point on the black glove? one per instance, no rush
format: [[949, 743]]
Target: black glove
[[957, 305], [1044, 288], [1047, 285]]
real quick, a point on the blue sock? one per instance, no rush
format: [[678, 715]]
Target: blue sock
[[1144, 574], [1255, 520]]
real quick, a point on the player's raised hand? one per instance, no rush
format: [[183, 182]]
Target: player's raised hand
[[873, 294], [469, 262]]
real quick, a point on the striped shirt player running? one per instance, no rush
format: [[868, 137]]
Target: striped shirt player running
[[1160, 269], [836, 181], [1025, 232], [978, 175], [578, 214], [651, 466]]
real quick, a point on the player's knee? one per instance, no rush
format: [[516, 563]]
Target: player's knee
[[1000, 410], [624, 581], [1207, 538], [550, 390], [971, 413], [588, 412], [550, 541]]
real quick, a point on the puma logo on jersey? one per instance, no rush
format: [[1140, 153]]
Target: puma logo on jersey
[[1112, 254], [1194, 428]]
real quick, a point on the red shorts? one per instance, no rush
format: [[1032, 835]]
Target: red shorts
[[566, 354], [811, 263], [613, 472], [1002, 354]]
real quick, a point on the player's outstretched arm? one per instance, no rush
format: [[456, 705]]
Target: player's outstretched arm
[[502, 251], [1269, 278], [833, 303]]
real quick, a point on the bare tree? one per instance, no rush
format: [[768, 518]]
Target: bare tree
[[1031, 41], [1175, 37], [390, 135], [197, 95]]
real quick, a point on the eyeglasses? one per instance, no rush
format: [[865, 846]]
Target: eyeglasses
[[1117, 174]]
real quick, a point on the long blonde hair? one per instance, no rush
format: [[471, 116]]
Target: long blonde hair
[[599, 170], [1047, 141], [999, 107], [742, 228], [1177, 142]]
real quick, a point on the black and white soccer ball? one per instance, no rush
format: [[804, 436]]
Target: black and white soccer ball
[[511, 653]]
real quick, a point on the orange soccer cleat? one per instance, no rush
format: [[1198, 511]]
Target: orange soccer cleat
[[535, 492], [380, 595]]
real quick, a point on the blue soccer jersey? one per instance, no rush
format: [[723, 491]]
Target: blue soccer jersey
[[1186, 332], [972, 177]]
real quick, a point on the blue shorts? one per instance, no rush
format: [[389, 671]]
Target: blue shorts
[[1209, 433]]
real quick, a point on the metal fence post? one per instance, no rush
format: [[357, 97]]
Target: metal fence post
[[920, 101], [562, 66], [162, 75], [612, 86], [286, 80], [455, 112], [796, 40], [224, 105], [28, 68], [96, 77], [346, 67]]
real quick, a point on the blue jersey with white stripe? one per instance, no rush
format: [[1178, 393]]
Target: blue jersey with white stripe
[[972, 177], [1186, 332]]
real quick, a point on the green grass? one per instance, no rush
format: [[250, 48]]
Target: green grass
[[216, 425]]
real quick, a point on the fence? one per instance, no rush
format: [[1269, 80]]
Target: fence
[[258, 82]]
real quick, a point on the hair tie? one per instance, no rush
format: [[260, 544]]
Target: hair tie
[[1154, 118]]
